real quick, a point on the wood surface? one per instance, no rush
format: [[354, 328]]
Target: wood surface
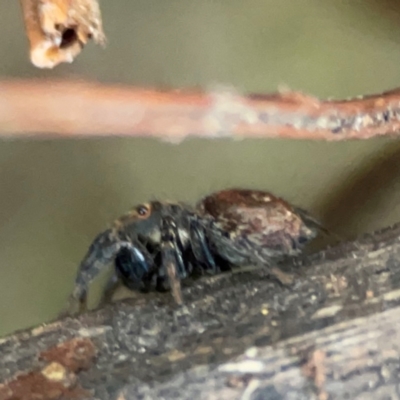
[[333, 335]]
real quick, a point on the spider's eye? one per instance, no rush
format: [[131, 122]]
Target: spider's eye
[[143, 210]]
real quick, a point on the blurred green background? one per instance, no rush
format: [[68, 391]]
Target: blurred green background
[[57, 194]]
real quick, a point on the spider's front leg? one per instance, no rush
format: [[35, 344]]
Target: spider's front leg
[[134, 267], [101, 253], [172, 258]]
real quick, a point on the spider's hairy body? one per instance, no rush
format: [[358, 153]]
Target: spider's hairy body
[[156, 245]]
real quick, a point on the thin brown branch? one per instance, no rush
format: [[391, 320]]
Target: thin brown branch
[[73, 109], [58, 29]]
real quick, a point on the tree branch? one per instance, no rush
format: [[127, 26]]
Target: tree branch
[[59, 109], [334, 335]]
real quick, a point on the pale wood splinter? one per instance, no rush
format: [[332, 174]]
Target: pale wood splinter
[[59, 29]]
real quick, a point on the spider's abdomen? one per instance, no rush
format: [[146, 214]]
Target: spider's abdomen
[[251, 226]]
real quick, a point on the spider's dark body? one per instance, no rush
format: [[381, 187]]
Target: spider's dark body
[[158, 244]]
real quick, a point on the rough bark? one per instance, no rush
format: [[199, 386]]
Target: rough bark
[[333, 335]]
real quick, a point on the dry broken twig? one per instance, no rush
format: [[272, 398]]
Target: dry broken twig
[[59, 109], [58, 29]]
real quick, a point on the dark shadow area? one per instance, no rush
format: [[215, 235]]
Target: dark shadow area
[[391, 8], [363, 194]]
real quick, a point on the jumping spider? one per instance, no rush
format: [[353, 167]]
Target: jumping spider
[[158, 244]]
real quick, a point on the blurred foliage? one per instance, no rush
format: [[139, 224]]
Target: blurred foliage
[[56, 195]]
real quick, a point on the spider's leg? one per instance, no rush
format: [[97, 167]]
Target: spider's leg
[[101, 252], [202, 251], [172, 234], [171, 257], [134, 265], [109, 289]]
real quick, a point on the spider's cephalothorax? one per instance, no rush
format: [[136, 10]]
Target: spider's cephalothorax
[[158, 244]]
